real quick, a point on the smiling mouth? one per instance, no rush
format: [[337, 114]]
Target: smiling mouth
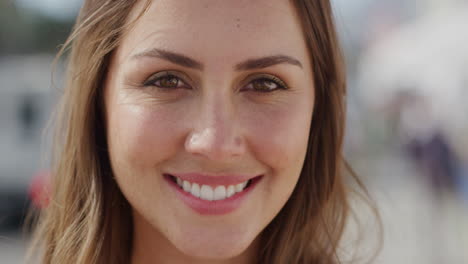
[[212, 193]]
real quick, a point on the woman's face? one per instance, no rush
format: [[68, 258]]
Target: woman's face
[[210, 95]]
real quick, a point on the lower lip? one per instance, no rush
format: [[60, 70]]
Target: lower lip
[[219, 207]]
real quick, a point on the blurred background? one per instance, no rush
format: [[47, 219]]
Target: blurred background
[[407, 134]]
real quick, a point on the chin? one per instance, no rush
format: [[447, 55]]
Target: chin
[[214, 247]]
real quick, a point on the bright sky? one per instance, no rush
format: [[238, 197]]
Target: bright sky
[[61, 9]]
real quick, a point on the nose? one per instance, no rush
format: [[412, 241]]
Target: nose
[[216, 133]]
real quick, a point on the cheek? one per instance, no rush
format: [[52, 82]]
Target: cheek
[[280, 135], [279, 140], [141, 136]]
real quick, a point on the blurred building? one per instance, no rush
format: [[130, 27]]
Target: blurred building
[[26, 101]]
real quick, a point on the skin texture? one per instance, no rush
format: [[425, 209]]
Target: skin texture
[[213, 123]]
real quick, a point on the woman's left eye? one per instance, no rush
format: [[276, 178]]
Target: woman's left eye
[[266, 84]]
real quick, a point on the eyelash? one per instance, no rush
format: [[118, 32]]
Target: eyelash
[[261, 78]]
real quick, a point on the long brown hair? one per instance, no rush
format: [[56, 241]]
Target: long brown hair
[[88, 219]]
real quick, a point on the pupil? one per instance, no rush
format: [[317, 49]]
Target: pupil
[[264, 85], [169, 82]]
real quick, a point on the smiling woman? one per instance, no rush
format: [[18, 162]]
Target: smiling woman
[[199, 132]]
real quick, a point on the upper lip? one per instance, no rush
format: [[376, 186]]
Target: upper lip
[[213, 179]]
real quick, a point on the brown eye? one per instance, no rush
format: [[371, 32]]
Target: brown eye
[[266, 84], [165, 80]]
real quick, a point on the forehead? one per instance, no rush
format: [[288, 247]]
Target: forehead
[[215, 29]]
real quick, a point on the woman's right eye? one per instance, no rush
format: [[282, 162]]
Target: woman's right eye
[[165, 80]]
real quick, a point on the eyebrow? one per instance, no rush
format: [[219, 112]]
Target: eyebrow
[[249, 64]]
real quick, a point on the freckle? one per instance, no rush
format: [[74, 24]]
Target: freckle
[[238, 26], [238, 141]]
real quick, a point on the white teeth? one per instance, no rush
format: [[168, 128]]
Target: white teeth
[[239, 187], [219, 193], [195, 191], [230, 191], [206, 193], [186, 186]]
